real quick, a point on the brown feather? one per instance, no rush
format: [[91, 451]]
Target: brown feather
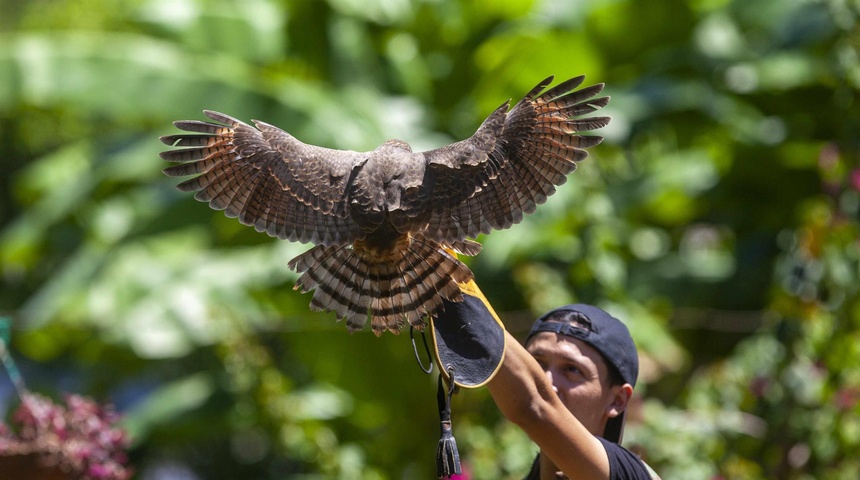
[[538, 147]]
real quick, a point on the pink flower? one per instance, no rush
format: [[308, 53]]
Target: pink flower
[[855, 179], [847, 398], [79, 436]]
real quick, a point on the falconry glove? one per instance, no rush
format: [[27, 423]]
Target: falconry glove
[[469, 337], [469, 341]]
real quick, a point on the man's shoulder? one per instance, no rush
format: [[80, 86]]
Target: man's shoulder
[[626, 465], [651, 471]]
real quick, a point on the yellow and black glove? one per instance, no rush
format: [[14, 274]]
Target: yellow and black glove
[[469, 341]]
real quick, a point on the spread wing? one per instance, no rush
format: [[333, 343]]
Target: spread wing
[[266, 178], [513, 162]]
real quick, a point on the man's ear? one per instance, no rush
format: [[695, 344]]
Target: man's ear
[[620, 398]]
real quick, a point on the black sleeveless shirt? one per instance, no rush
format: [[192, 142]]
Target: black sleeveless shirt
[[623, 464]]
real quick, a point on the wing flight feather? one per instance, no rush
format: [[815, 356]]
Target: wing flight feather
[[266, 178], [513, 162]]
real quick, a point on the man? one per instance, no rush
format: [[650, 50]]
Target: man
[[568, 390]]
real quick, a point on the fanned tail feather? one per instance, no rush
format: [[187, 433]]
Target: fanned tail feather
[[400, 287]]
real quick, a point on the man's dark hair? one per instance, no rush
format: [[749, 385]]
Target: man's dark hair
[[578, 320]]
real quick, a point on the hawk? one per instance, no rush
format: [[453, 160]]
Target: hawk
[[386, 223]]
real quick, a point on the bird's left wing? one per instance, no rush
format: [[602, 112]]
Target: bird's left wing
[[513, 162], [267, 178]]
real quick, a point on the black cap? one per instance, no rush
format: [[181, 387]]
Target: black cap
[[607, 335]]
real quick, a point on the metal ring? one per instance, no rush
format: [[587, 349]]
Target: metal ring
[[426, 370]]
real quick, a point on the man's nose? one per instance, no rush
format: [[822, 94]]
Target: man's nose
[[549, 376]]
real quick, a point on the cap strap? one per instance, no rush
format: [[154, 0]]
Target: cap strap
[[561, 328]]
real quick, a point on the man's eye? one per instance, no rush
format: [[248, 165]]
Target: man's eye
[[571, 369]]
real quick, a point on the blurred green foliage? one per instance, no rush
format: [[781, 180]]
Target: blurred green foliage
[[719, 218]]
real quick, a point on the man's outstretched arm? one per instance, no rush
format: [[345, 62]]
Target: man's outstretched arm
[[526, 397]]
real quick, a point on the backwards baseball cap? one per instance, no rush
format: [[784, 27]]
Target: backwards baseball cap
[[607, 335]]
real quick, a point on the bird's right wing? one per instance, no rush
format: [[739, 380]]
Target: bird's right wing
[[266, 178], [513, 162]]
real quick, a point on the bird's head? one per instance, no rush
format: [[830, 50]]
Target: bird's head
[[398, 144]]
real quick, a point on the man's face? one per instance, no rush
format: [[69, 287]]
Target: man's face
[[578, 373]]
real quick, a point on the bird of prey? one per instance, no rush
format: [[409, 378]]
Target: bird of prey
[[386, 223]]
